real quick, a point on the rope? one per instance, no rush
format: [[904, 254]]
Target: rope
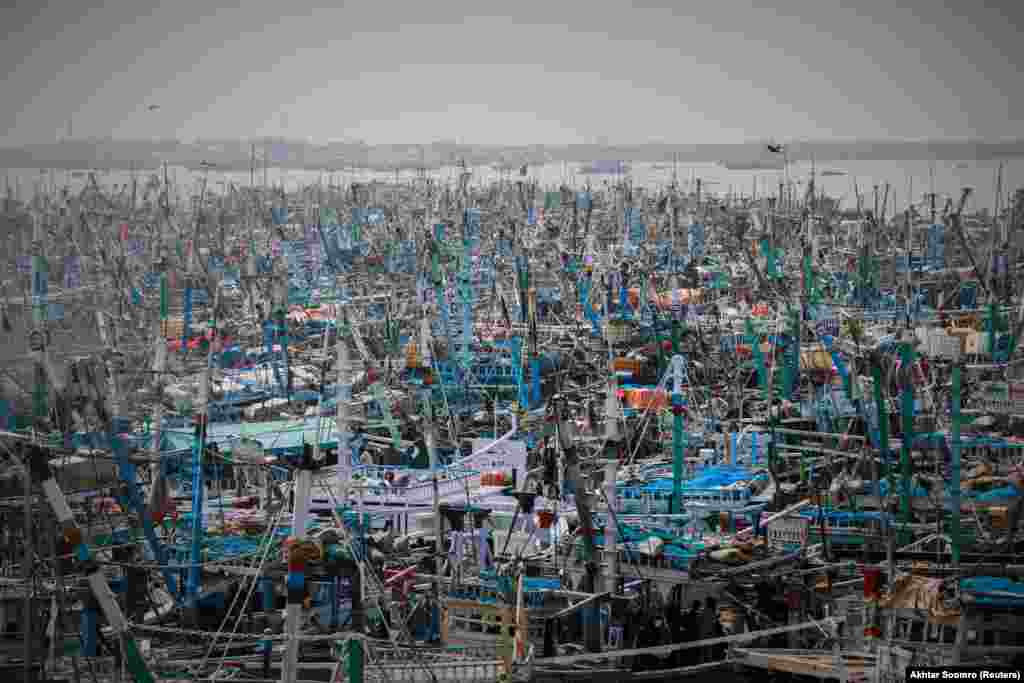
[[266, 552], [647, 417], [283, 637]]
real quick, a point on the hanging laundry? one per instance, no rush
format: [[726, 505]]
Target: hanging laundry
[[695, 242], [72, 272], [636, 230]]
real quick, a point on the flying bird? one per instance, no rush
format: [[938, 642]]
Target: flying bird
[[153, 107], [776, 149]]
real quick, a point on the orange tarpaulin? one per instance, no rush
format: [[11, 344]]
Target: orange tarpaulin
[[664, 299], [626, 365], [304, 313], [920, 593], [643, 399]]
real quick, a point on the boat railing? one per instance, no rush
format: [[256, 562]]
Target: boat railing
[[788, 532], [475, 625], [100, 667], [632, 556], [716, 499], [453, 670], [917, 638], [844, 524], [451, 481], [383, 472], [651, 501]]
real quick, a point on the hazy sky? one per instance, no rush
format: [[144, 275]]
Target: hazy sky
[[514, 72]]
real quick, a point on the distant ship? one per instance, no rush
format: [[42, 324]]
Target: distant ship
[[505, 167], [752, 165], [605, 168], [833, 173]]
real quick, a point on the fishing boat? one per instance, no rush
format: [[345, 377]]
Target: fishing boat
[[331, 443], [604, 168], [753, 165]]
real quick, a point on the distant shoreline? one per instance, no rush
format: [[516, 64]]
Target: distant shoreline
[[236, 155]]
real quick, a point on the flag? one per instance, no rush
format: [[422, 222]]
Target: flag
[[160, 502], [278, 153], [51, 627], [504, 313], [72, 272]]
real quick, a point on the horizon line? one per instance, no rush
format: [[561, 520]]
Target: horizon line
[[610, 145]]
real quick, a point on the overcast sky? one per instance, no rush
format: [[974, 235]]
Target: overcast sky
[[513, 72]]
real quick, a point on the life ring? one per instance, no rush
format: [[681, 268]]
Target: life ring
[[36, 341]]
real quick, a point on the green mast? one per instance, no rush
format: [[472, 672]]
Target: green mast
[[678, 370], [907, 413], [955, 474]]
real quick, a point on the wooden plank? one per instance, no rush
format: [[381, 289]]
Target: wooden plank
[[572, 609], [472, 604], [778, 515], [660, 650], [817, 665]]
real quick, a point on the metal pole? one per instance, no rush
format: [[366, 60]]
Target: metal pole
[[907, 410], [341, 418], [198, 489], [355, 646], [58, 631], [431, 440], [57, 603], [677, 434], [955, 474], [909, 280], [611, 543], [883, 449], [37, 345], [296, 572], [26, 576], [100, 589]]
